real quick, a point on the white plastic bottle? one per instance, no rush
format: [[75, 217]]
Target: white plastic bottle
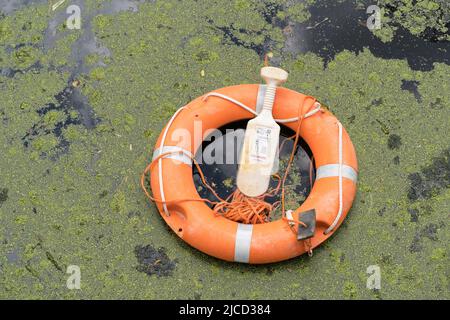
[[261, 141]]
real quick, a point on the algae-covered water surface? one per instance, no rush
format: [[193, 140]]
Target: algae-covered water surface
[[81, 109]]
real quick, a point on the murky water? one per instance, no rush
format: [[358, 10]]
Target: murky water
[[223, 176], [335, 26], [69, 99]]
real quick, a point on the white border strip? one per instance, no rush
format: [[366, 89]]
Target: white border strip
[[176, 153], [243, 242], [332, 170]]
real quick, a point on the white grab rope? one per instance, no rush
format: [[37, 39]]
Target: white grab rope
[[240, 104], [338, 216]]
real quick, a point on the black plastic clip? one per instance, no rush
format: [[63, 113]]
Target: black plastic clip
[[309, 219]]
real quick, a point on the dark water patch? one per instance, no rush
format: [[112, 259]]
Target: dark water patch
[[116, 6], [429, 231], [336, 26], [416, 244], [4, 117], [270, 11], [3, 195], [269, 271], [412, 86], [221, 174], [231, 34], [69, 100], [381, 211], [396, 160], [431, 179], [9, 49], [13, 257], [414, 213], [154, 261], [377, 102], [11, 72], [87, 43], [394, 141]]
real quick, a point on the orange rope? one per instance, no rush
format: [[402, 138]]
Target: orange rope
[[239, 207], [266, 60]]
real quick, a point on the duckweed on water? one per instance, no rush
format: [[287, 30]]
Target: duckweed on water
[[75, 208], [425, 18]]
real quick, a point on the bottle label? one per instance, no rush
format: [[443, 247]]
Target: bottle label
[[260, 148]]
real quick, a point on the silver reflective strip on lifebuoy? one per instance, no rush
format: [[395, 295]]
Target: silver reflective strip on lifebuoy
[[260, 97], [243, 242], [176, 153], [332, 170]]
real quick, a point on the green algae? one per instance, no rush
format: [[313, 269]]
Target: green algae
[[297, 12], [350, 290], [24, 26], [24, 57], [417, 17], [81, 208], [228, 183], [97, 74]]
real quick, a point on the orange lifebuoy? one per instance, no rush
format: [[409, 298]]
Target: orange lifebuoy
[[331, 196]]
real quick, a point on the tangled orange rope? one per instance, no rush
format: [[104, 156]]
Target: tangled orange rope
[[251, 210], [239, 207]]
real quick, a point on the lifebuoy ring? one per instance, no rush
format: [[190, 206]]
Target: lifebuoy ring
[[193, 221]]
